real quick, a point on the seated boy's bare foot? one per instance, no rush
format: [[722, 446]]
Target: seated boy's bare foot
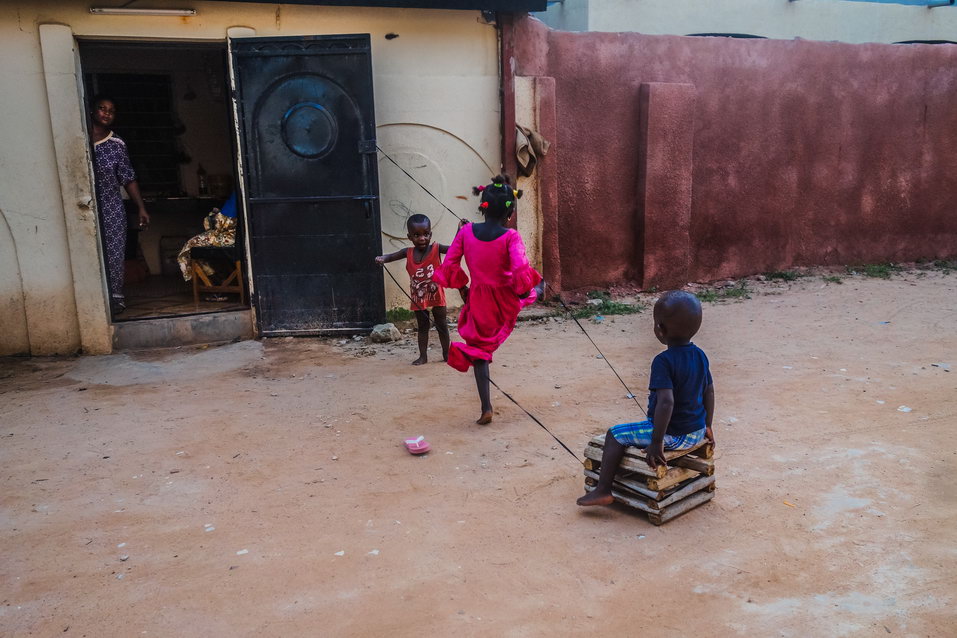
[[420, 361], [595, 498], [485, 419]]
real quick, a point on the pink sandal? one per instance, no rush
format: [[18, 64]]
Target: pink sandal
[[417, 446]]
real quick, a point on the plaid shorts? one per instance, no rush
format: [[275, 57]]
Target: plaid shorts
[[639, 435]]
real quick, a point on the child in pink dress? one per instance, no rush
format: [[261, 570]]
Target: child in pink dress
[[502, 284]]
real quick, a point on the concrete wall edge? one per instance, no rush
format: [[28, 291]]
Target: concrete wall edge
[[61, 75]]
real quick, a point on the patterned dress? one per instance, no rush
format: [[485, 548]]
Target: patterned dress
[[111, 170]]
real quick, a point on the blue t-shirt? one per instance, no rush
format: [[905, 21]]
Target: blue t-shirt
[[683, 369]]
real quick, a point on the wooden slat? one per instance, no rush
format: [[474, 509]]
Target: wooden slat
[[705, 452], [655, 500], [679, 508], [693, 487], [634, 459], [638, 453], [661, 478], [636, 486], [628, 499], [659, 517], [674, 476], [628, 463], [706, 467]]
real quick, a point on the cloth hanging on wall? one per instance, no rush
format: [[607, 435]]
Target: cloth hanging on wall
[[529, 147]]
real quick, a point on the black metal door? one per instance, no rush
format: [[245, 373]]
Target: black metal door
[[307, 130]]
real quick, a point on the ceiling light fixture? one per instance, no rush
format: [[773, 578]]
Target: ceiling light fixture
[[123, 11]]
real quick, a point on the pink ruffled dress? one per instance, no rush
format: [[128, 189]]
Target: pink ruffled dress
[[500, 274]]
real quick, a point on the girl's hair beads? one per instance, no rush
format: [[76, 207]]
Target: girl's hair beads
[[498, 198]]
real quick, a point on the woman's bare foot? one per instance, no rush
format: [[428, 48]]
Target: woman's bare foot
[[486, 418], [420, 360], [595, 498]]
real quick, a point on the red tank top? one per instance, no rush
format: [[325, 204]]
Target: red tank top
[[425, 292]]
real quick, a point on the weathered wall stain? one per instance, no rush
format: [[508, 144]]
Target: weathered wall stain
[[13, 318]]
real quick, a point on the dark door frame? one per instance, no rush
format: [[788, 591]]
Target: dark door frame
[[333, 44]]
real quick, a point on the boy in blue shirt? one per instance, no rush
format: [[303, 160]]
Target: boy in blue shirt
[[681, 402]]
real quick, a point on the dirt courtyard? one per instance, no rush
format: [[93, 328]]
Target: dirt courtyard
[[261, 488]]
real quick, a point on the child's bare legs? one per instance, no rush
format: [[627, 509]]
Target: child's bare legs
[[422, 317], [610, 460], [481, 382], [442, 327]]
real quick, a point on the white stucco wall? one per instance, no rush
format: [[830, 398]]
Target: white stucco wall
[[808, 19], [436, 92], [30, 203]]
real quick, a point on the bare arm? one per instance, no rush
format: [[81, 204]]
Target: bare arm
[[127, 176], [396, 256], [133, 189], [709, 412], [655, 453]]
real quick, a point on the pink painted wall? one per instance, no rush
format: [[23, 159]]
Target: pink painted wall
[[803, 152]]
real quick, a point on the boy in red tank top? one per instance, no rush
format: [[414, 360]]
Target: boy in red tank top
[[421, 262]]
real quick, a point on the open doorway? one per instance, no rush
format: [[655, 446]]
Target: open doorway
[[172, 110]]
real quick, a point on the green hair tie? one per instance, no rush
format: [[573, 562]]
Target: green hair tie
[[497, 185], [508, 203]]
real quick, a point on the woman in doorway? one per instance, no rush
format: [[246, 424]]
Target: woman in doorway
[[111, 171]]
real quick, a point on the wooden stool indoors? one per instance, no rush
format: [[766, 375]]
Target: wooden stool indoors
[[669, 491], [232, 283]]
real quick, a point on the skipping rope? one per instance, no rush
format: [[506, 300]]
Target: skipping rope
[[388, 157], [507, 395], [568, 310], [631, 395]]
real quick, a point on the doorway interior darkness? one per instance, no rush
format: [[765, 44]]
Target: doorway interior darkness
[[173, 112]]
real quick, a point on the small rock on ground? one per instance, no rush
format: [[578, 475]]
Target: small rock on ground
[[384, 333]]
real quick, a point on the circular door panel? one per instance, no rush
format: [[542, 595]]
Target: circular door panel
[[309, 130]]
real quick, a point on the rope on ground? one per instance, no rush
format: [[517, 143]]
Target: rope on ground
[[507, 395], [533, 418], [585, 332], [562, 301], [565, 306]]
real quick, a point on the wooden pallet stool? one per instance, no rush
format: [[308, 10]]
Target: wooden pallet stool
[[663, 493]]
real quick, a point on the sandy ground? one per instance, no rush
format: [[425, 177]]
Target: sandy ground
[[261, 489]]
